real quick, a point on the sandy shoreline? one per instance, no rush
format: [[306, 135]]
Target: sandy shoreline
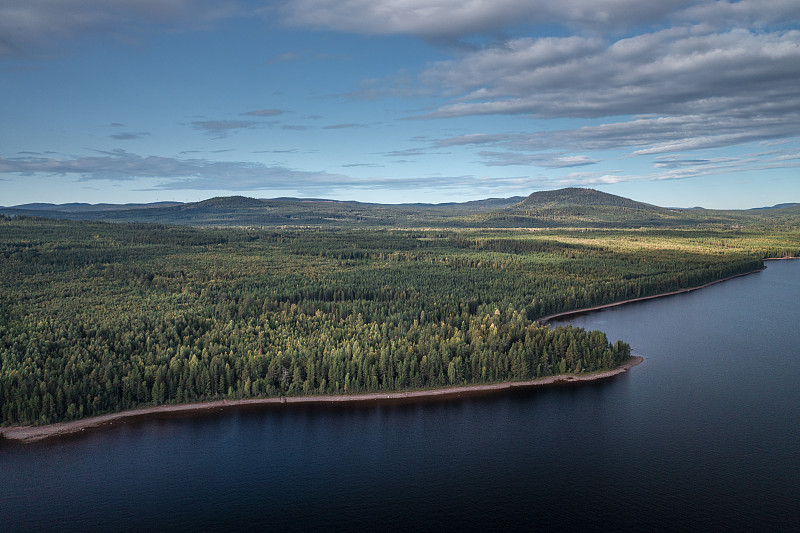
[[36, 433], [549, 318], [545, 319]]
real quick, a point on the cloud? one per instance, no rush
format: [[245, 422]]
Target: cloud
[[467, 182], [129, 135], [33, 27], [546, 160], [476, 139], [294, 56], [588, 179], [674, 90], [434, 19], [349, 125], [219, 129], [664, 139], [674, 71], [204, 174], [398, 85], [264, 112], [287, 57], [176, 173], [679, 167], [411, 152], [676, 162], [640, 136], [749, 13], [655, 135]]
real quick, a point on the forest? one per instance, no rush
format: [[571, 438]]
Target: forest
[[98, 317]]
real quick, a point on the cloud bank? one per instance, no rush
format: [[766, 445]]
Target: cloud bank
[[456, 18], [675, 71], [203, 174], [678, 89]]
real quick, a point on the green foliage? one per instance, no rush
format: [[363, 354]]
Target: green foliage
[[98, 317]]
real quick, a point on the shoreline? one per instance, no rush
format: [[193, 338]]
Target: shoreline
[[27, 434], [565, 314]]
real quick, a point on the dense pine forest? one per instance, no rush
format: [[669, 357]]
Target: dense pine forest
[[98, 317]]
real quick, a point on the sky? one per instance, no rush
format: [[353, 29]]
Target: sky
[[677, 103]]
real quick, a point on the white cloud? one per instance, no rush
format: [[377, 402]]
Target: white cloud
[[586, 179]]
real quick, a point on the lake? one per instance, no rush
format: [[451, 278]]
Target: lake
[[704, 435]]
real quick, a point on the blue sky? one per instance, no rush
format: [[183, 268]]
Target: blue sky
[[676, 103]]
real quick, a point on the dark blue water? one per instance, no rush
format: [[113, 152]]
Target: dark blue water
[[704, 435]]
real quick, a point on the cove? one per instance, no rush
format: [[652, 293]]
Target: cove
[[704, 435]]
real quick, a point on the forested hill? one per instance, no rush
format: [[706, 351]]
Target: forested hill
[[570, 207], [588, 208], [243, 211], [82, 207], [574, 196], [778, 206]]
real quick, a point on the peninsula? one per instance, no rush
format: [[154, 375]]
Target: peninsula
[[37, 433]]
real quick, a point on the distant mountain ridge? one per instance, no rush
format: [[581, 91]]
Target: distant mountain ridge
[[776, 206], [76, 207], [569, 207]]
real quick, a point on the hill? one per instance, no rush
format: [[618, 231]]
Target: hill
[[244, 211], [577, 207], [777, 206], [574, 196], [570, 207], [81, 207]]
